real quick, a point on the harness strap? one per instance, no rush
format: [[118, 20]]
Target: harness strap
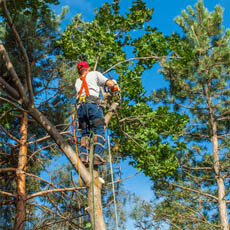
[[84, 142], [96, 142], [84, 85], [96, 137]]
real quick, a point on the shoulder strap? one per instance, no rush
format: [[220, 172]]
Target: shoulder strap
[[84, 85]]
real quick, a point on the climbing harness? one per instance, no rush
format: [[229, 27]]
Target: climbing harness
[[84, 84], [88, 99]]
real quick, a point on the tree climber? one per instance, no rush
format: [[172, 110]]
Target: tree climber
[[90, 111]]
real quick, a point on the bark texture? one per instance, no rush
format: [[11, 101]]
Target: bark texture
[[95, 206], [20, 215], [217, 169]]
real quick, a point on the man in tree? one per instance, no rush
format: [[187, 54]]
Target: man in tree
[[90, 112]]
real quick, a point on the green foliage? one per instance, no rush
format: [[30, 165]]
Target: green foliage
[[103, 42], [105, 36], [154, 139], [151, 138], [29, 7], [6, 115]]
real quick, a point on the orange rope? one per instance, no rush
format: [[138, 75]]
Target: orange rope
[[76, 149]]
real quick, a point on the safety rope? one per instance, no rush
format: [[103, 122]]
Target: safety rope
[[76, 149], [91, 144], [113, 189]]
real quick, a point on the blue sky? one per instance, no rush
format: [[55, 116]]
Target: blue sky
[[163, 18]]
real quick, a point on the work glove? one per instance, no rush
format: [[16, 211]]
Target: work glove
[[115, 87]]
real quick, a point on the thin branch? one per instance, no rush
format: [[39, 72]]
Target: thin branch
[[194, 190], [46, 137], [95, 66], [131, 59], [5, 114], [197, 168], [10, 102], [39, 150], [39, 178], [42, 193], [127, 135], [223, 118], [223, 135], [3, 170], [41, 207], [7, 194], [8, 134], [18, 39], [49, 210], [126, 178]]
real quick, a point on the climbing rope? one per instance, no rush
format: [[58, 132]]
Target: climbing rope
[[91, 144], [76, 149], [113, 189]]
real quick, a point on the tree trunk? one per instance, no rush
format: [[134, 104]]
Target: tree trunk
[[94, 196], [94, 201], [20, 215], [217, 169], [220, 181]]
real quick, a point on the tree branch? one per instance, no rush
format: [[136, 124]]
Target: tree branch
[[9, 89], [7, 170], [197, 168], [194, 190], [131, 59], [42, 193], [18, 39], [8, 194], [46, 137], [8, 134], [10, 102], [11, 70]]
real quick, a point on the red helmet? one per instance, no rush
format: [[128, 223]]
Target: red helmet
[[82, 65]]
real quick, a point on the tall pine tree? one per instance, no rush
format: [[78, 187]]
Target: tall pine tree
[[197, 196]]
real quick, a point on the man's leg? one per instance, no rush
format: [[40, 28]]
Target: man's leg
[[84, 126], [97, 119]]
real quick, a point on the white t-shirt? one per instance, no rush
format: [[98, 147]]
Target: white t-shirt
[[94, 80]]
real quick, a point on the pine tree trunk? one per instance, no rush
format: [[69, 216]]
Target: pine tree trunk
[[95, 206], [217, 169], [20, 215], [94, 196], [219, 180]]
